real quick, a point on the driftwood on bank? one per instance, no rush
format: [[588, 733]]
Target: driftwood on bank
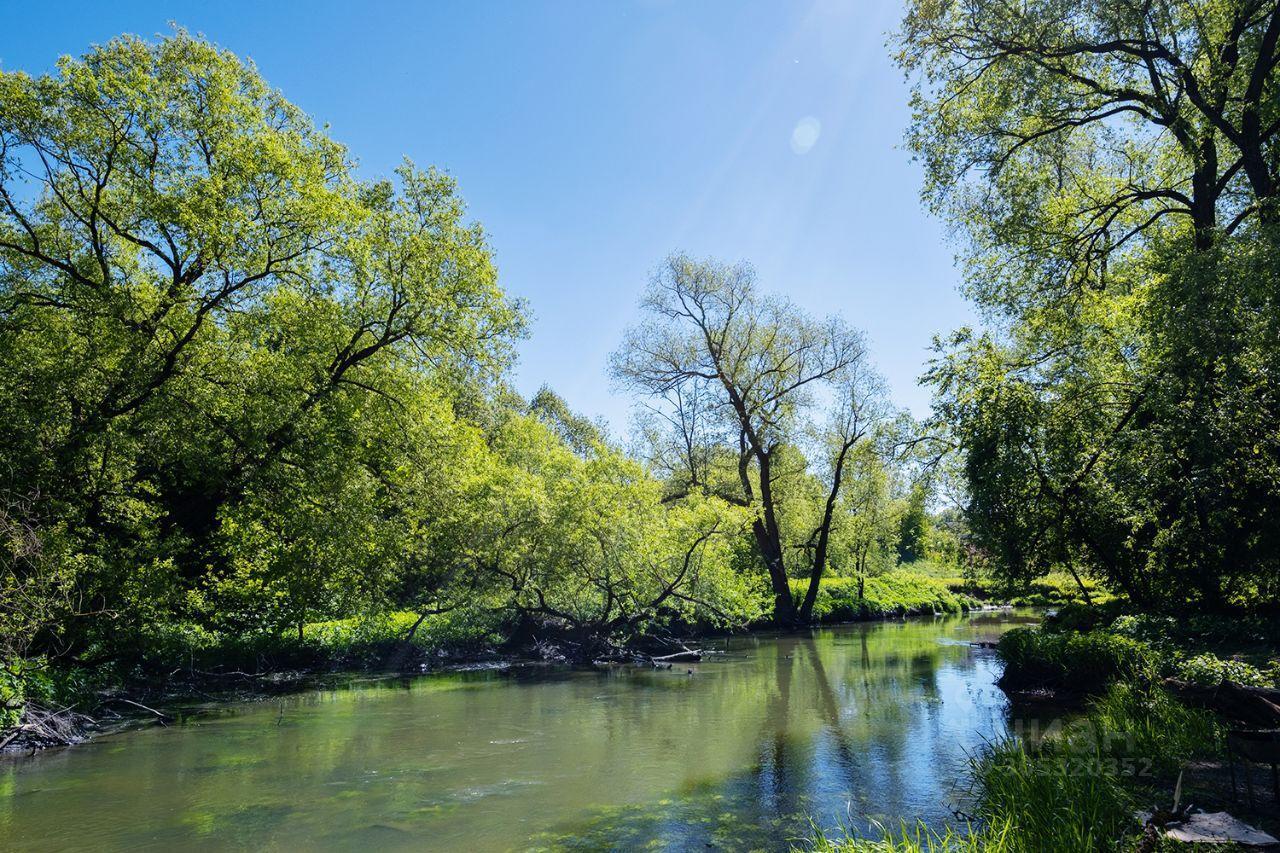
[[42, 727], [686, 656], [1252, 706]]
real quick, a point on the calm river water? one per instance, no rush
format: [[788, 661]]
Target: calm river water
[[845, 725]]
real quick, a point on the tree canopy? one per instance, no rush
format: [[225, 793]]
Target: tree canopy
[[1111, 169]]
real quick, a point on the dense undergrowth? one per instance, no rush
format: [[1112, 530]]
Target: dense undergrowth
[[1084, 649]]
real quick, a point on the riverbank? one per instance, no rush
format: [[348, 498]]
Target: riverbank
[[547, 757], [181, 663], [1155, 699]]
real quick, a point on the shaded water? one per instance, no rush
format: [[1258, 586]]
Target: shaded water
[[844, 725]]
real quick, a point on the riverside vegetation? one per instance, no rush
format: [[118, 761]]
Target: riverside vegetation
[[1111, 171], [259, 419], [259, 413]]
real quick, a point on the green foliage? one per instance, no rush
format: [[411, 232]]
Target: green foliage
[[1118, 417], [586, 541], [229, 366], [255, 402], [900, 592], [1209, 670], [1075, 616], [913, 526], [360, 641], [12, 693], [1086, 662], [734, 378]]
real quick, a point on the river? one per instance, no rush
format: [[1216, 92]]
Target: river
[[842, 726]]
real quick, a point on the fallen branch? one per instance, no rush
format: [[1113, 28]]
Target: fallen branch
[[160, 715], [41, 727], [1254, 706], [686, 656]]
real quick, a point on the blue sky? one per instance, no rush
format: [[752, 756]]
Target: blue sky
[[593, 138]]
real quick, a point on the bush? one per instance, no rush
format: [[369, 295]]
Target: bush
[[1209, 670], [1087, 662]]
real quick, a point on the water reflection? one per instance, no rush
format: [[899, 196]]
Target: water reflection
[[851, 724]]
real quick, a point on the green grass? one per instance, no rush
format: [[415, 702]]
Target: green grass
[[918, 839], [1054, 589], [1075, 789], [900, 592]]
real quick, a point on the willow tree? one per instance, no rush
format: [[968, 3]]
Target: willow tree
[[742, 377], [222, 356], [578, 544], [1111, 169]]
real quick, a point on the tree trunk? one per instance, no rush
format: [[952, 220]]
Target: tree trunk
[[1071, 567], [824, 536], [769, 540], [784, 608]]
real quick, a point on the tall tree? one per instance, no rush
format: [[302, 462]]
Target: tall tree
[[203, 311], [1067, 130], [1113, 170], [740, 375]]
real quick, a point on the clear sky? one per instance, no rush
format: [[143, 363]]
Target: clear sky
[[593, 138]]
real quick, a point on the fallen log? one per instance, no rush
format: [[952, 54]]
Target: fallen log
[[1252, 706], [686, 656]]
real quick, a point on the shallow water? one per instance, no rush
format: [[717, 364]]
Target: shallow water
[[844, 725]]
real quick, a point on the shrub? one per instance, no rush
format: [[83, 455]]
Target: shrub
[[1209, 670], [1086, 662], [1028, 656]]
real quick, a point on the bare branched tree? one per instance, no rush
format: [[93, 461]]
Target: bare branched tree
[[739, 373]]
